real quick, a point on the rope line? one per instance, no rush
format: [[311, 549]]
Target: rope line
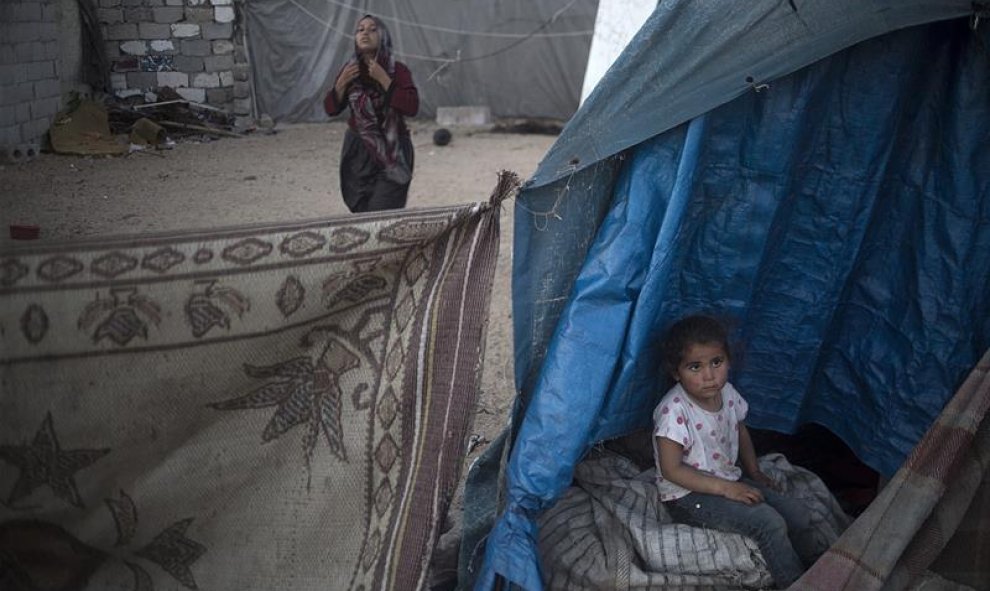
[[400, 21], [446, 61]]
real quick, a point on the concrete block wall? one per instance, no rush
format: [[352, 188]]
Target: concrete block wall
[[29, 76], [195, 47]]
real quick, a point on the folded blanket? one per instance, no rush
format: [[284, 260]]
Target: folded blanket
[[609, 531]]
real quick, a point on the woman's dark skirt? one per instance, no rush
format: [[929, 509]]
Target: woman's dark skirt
[[362, 179]]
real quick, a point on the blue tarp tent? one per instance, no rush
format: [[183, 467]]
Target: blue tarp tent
[[818, 170]]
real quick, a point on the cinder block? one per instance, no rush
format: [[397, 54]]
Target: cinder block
[[45, 108], [7, 53], [157, 62], [24, 52], [23, 112], [221, 2], [112, 48], [217, 63], [218, 96], [8, 115], [196, 2], [227, 78], [242, 90], [197, 47], [173, 79], [224, 14], [205, 80], [129, 92], [162, 45], [242, 72], [49, 12], [109, 3], [22, 74], [196, 95], [223, 47], [23, 32], [168, 14], [41, 70], [199, 14], [25, 12], [110, 16], [10, 135], [24, 91], [242, 106], [138, 14], [10, 150], [32, 149], [154, 31], [51, 50], [134, 47], [133, 3], [175, 3], [47, 88], [218, 30], [47, 31], [127, 63], [39, 50], [143, 80], [122, 32], [118, 81], [186, 63], [468, 116], [185, 30]]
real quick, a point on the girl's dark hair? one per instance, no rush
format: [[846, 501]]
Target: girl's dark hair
[[691, 330]]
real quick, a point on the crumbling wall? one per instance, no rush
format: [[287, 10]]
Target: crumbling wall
[[195, 47], [29, 83]]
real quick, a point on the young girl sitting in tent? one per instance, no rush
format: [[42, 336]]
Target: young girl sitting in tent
[[699, 435]]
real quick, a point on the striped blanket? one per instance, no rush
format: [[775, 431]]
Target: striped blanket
[[270, 407], [610, 531]]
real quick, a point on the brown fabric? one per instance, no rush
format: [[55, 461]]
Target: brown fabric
[[84, 131], [904, 531], [272, 407]]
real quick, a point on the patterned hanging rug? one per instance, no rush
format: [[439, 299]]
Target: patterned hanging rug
[[271, 407]]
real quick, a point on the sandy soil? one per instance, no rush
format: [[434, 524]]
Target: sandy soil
[[289, 175]]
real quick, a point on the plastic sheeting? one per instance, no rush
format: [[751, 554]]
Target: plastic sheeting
[[841, 216], [519, 57]]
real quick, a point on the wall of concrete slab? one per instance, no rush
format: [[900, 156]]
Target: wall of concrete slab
[[30, 93], [195, 47], [192, 46]]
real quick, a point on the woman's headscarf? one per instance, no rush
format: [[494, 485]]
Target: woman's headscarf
[[376, 123]]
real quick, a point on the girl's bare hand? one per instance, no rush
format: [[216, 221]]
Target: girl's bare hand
[[765, 480], [378, 73], [742, 493], [347, 75]]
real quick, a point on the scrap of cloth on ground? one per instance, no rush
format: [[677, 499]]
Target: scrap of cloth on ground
[[267, 407], [609, 531]]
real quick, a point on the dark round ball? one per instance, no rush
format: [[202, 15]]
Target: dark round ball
[[441, 137]]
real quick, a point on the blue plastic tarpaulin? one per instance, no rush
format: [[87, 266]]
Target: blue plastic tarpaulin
[[817, 171]]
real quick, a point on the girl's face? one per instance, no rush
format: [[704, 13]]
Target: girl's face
[[703, 371], [367, 38]]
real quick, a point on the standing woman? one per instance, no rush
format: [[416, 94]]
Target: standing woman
[[376, 160]]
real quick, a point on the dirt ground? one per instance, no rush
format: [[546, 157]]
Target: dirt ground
[[289, 175]]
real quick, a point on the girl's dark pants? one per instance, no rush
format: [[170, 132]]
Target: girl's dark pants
[[362, 178], [780, 526]]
